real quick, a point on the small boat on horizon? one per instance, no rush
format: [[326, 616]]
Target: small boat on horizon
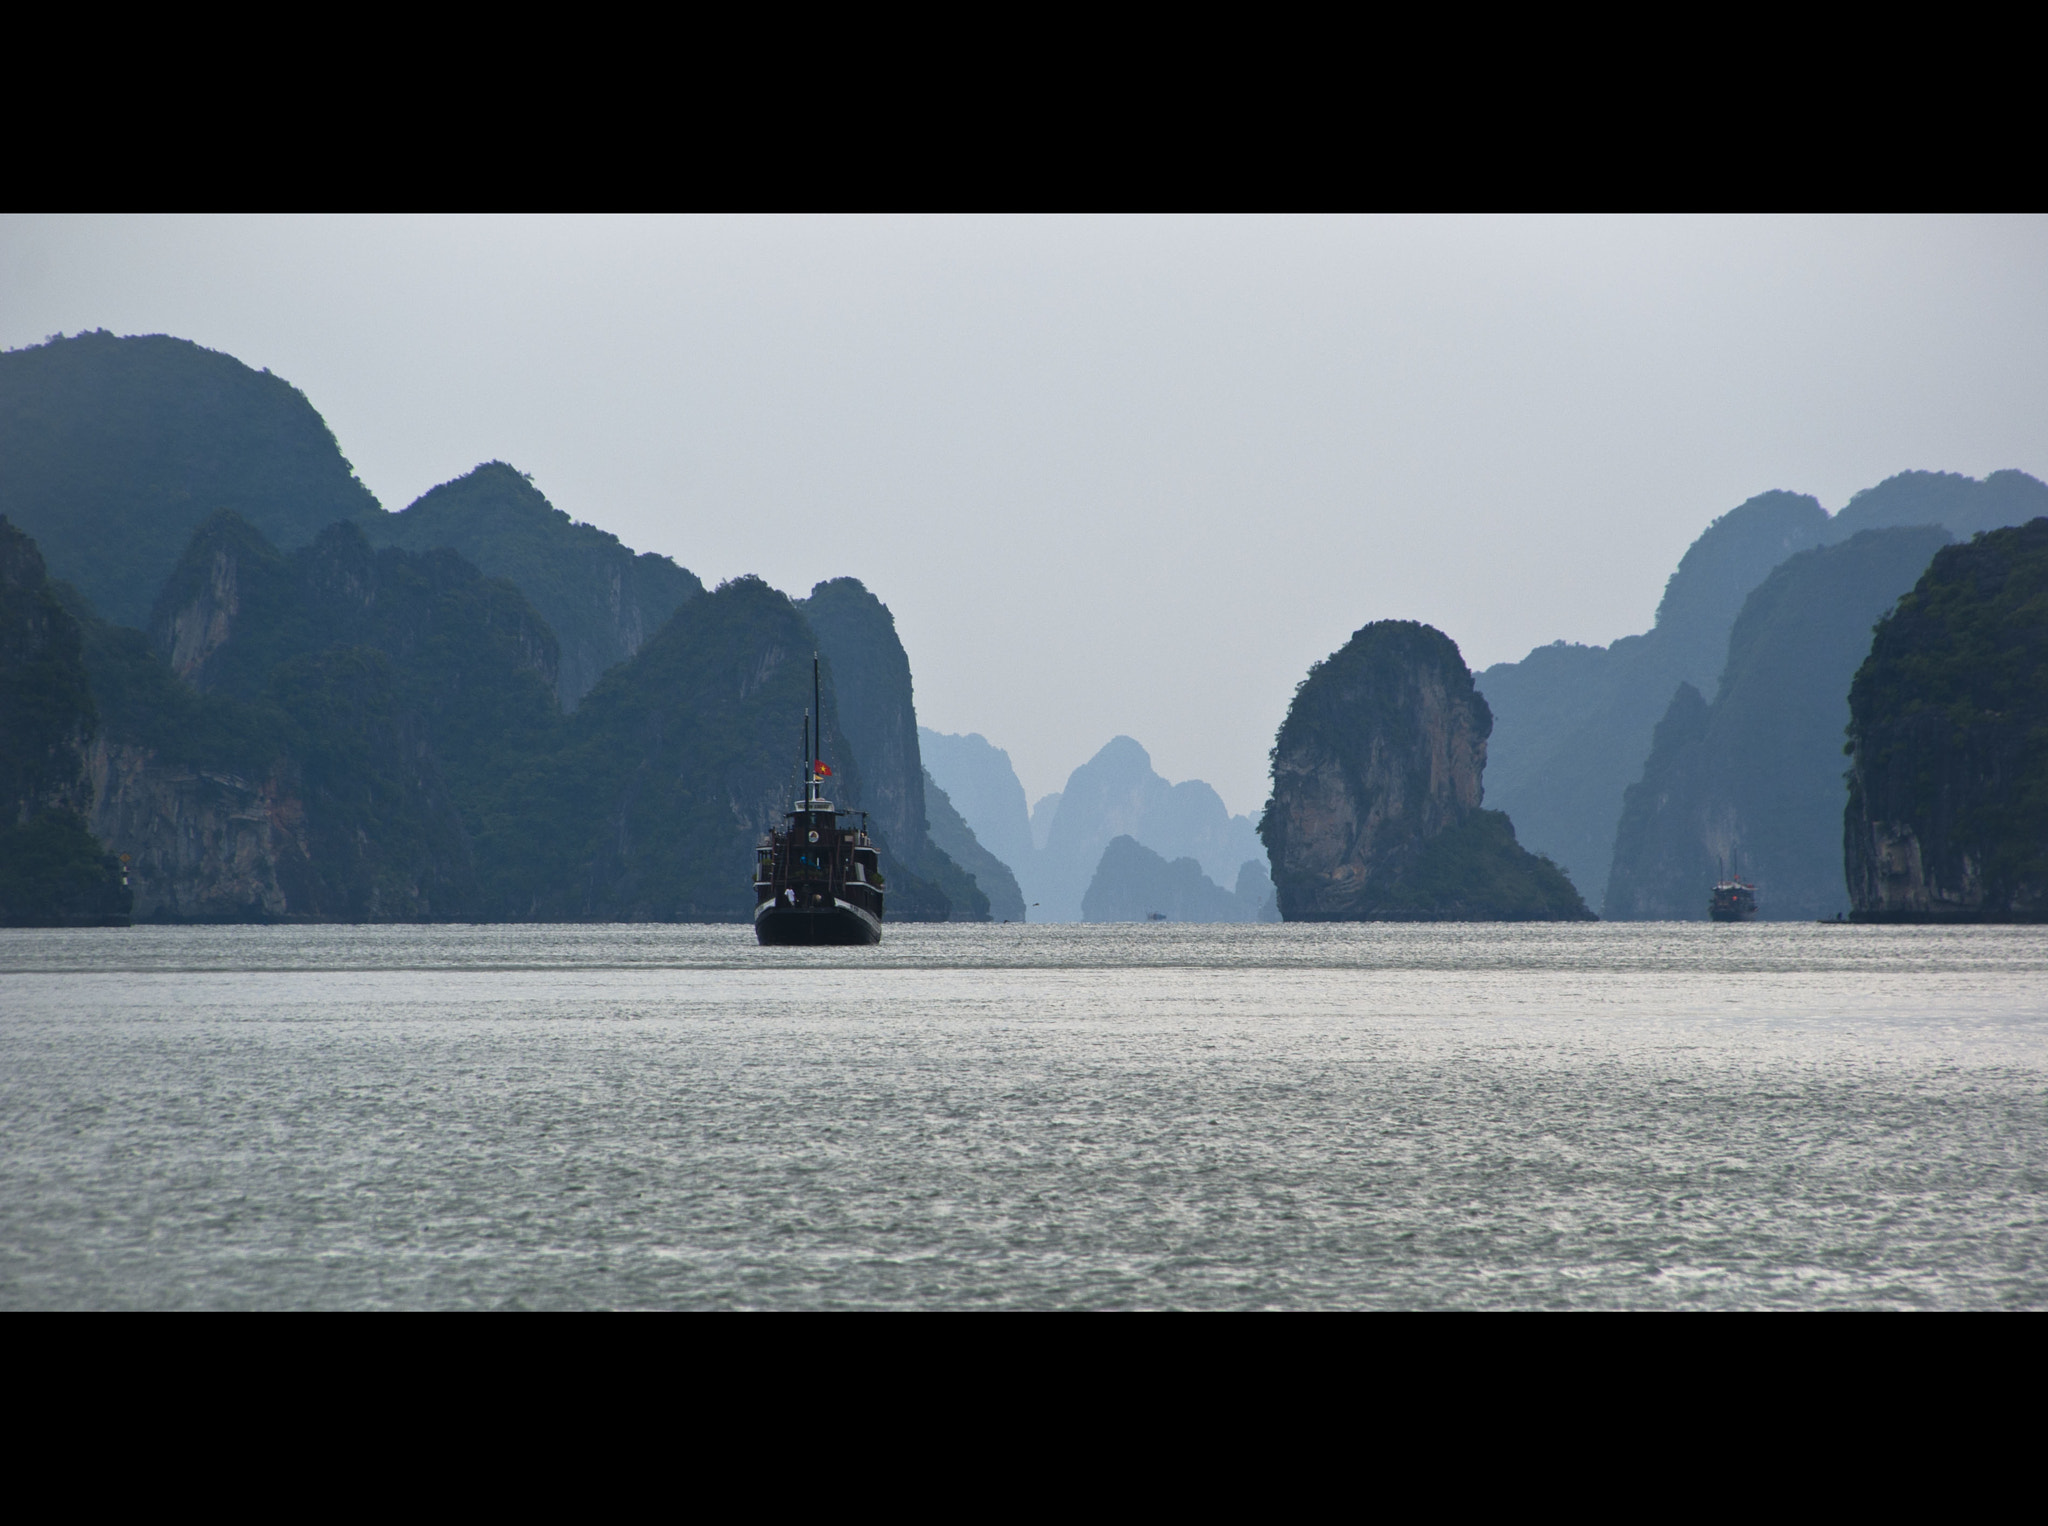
[[1733, 900], [816, 881]]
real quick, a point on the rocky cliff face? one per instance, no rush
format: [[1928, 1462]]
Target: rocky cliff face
[[46, 711], [305, 732], [205, 845], [1377, 787], [1947, 819]]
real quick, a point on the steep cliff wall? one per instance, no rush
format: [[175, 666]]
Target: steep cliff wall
[[47, 718], [52, 870], [332, 715], [1376, 810], [871, 675], [1754, 780], [1947, 818]]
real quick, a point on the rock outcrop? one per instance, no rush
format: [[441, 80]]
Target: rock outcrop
[[1376, 812], [1753, 781], [324, 746], [113, 451], [1947, 818]]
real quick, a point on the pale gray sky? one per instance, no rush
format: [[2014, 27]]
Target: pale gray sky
[[1122, 475]]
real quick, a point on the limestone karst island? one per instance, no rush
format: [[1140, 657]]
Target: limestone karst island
[[236, 688]]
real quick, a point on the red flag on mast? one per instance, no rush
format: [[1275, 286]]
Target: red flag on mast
[[824, 772]]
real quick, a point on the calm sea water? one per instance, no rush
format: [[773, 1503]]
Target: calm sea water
[[1663, 1116]]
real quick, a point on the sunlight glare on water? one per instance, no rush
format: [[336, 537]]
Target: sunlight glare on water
[[1468, 1115]]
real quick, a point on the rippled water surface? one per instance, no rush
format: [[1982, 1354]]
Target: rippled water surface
[[1025, 1117]]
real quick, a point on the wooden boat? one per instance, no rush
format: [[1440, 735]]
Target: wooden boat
[[819, 879], [1733, 900]]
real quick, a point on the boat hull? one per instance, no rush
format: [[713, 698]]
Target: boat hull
[[840, 923]]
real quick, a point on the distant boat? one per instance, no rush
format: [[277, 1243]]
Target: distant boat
[[1734, 900], [817, 881]]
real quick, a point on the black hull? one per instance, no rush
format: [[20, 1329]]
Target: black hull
[[840, 924]]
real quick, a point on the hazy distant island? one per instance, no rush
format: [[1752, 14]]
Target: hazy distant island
[[1061, 856], [1751, 783], [1713, 742]]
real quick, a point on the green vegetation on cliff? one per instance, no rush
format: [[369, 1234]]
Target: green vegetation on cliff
[[602, 601], [53, 871], [647, 805], [1947, 816]]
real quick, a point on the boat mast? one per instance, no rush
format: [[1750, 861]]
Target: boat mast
[[817, 737]]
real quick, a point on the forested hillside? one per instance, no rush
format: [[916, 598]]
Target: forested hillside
[[112, 451], [602, 601], [1947, 817]]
